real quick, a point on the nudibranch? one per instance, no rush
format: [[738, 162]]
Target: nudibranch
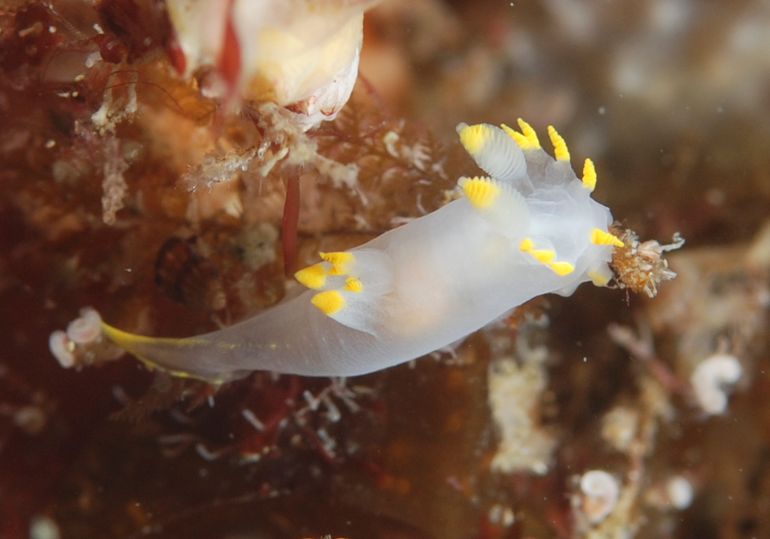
[[528, 228]]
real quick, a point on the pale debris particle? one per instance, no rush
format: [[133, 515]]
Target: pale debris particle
[[206, 454], [119, 104], [320, 413], [114, 186], [711, 379], [619, 427], [341, 175], [501, 515], [515, 391], [31, 419], [417, 155], [599, 493], [640, 267], [218, 167], [253, 420], [680, 492], [337, 388], [43, 527], [257, 244], [674, 493]]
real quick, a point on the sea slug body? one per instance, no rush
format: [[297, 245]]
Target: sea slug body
[[529, 228]]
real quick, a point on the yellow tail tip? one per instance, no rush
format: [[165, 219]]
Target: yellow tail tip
[[140, 345], [124, 339]]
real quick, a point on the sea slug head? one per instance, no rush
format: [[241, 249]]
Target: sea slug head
[[539, 202]]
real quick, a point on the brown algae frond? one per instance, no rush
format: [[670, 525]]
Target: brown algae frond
[[640, 266]]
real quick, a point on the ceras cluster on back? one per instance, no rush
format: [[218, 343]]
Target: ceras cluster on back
[[562, 222], [530, 199]]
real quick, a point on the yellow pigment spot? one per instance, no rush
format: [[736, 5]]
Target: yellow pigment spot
[[329, 302], [473, 137], [599, 279], [600, 237], [481, 192], [526, 245], [544, 256], [560, 150], [530, 133], [589, 175], [561, 268], [354, 285], [340, 261], [313, 277]]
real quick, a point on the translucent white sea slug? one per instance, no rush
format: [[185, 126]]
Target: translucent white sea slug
[[530, 228]]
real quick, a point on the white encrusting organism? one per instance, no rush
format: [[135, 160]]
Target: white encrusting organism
[[84, 330], [530, 228], [712, 379], [61, 348], [299, 54], [600, 492], [680, 492]]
